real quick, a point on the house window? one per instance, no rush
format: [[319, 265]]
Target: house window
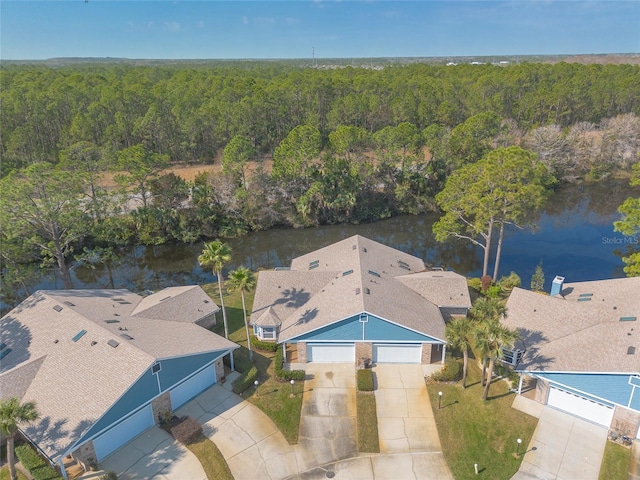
[[269, 333], [255, 330]]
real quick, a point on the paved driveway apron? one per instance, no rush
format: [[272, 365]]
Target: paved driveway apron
[[155, 455], [563, 447], [405, 420], [328, 420]]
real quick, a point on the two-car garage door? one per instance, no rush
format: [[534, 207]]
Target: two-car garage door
[[117, 436], [580, 406]]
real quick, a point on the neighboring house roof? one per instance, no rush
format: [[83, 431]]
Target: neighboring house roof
[[349, 277], [177, 304], [568, 333], [444, 288], [62, 356]]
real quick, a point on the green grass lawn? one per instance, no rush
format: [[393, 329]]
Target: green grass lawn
[[4, 474], [212, 461], [367, 423], [272, 396], [615, 463], [472, 431]]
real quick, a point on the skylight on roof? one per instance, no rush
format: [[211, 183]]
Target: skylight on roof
[[584, 299], [57, 308], [4, 353], [627, 319], [79, 335], [113, 343], [112, 321], [69, 303], [128, 337], [348, 272], [2, 346], [631, 350], [375, 274], [586, 295], [315, 265]]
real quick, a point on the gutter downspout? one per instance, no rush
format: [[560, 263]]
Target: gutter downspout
[[444, 352]]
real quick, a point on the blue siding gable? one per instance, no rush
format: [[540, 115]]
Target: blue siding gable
[[611, 387], [375, 329], [175, 369], [140, 393]]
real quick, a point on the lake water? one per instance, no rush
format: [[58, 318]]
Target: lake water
[[573, 237]]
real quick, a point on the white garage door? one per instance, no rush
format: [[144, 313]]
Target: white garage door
[[192, 387], [328, 353], [127, 430], [397, 353], [580, 406]]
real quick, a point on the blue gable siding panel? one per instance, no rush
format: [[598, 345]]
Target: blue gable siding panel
[[610, 387], [175, 369], [140, 393], [375, 329]]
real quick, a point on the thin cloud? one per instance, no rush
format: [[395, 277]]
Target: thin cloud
[[172, 26]]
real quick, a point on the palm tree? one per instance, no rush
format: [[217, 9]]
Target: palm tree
[[216, 255], [491, 338], [244, 280], [458, 333], [12, 414], [486, 309]]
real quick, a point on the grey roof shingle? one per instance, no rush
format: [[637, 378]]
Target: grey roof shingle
[[75, 382], [348, 277], [564, 333]]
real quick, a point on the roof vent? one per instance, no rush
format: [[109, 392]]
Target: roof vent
[[353, 247], [156, 367], [69, 303], [631, 351], [364, 249], [94, 343], [57, 308], [357, 291], [367, 291], [128, 337], [112, 343], [56, 341]]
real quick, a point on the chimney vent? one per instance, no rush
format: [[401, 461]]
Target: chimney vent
[[556, 285]]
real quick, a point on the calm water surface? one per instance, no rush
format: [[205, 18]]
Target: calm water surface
[[573, 237]]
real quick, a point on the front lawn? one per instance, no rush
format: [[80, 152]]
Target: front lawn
[[4, 474], [615, 462], [212, 461], [273, 396], [483, 432], [367, 423]]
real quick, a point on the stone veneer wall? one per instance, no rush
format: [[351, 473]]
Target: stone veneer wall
[[219, 365], [86, 455], [302, 352], [364, 353], [542, 391], [425, 358], [625, 421], [161, 405]]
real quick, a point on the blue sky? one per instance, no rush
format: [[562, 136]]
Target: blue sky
[[290, 29]]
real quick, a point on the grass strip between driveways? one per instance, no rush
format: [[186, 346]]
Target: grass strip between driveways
[[367, 423], [273, 397], [483, 432], [4, 474], [212, 461], [615, 462]]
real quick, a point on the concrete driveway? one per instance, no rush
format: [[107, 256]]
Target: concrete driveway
[[563, 447], [154, 454], [406, 424], [328, 418], [250, 442]]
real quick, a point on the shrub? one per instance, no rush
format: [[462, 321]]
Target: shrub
[[38, 468], [242, 363], [451, 372], [109, 475], [187, 431], [286, 374], [264, 346], [475, 283], [365, 380], [494, 291], [509, 283], [245, 380]]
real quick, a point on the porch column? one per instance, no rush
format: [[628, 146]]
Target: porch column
[[62, 469], [520, 383], [444, 352], [233, 367], [284, 351]]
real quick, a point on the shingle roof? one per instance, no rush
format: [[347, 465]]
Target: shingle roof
[[75, 382], [346, 278], [268, 319], [444, 288], [177, 304], [570, 333]]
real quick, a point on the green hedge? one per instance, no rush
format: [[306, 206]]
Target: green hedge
[[264, 346], [38, 468], [245, 380], [286, 374], [451, 372], [365, 380]]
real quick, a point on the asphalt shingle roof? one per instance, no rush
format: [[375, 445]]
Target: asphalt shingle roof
[[351, 276], [571, 334], [75, 377]]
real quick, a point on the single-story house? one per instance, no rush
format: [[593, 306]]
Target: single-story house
[[358, 301], [103, 365], [581, 344]]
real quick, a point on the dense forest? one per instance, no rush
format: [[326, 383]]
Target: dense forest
[[298, 146]]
